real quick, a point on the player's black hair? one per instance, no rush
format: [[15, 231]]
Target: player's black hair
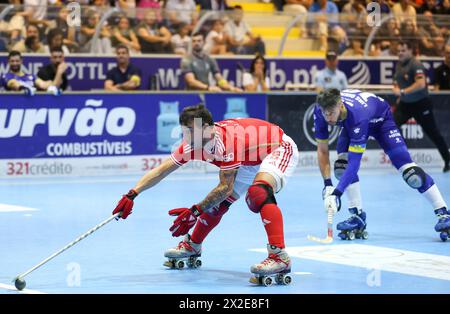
[[198, 111], [328, 98], [408, 43], [14, 53]]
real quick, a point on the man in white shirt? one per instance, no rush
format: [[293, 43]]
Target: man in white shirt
[[181, 11], [239, 36], [404, 11]]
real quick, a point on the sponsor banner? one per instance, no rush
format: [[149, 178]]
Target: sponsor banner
[[89, 72], [99, 125], [93, 166], [294, 114]]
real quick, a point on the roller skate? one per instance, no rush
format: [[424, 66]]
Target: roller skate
[[275, 267], [185, 253], [353, 227], [443, 225]]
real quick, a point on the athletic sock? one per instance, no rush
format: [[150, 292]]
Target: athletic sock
[[273, 223]]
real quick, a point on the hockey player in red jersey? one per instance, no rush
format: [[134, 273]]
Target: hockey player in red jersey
[[254, 157]]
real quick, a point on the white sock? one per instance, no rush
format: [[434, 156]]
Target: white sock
[[353, 192], [434, 197]]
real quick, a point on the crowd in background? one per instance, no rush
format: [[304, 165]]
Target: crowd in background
[[150, 26]]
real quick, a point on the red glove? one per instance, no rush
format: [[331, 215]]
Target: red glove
[[125, 204], [187, 217]]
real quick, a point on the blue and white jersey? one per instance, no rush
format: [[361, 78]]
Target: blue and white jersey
[[21, 77], [331, 79], [363, 116]]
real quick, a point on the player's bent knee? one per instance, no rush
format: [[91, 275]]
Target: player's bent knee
[[414, 176], [258, 195], [339, 167]]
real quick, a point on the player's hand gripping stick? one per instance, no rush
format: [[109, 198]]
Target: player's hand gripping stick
[[125, 205]]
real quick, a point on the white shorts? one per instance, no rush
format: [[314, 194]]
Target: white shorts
[[281, 163]]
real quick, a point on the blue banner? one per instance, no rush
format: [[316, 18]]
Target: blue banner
[[87, 73], [93, 125]]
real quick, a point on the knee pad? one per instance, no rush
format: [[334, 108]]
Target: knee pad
[[258, 195], [414, 176], [339, 167]]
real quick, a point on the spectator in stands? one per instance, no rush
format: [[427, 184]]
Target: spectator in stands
[[391, 50], [180, 41], [13, 26], [32, 39], [179, 11], [240, 39], [55, 39], [123, 34], [17, 80], [426, 34], [103, 44], [385, 8], [330, 76], [433, 6], [442, 73], [256, 80], [387, 33], [144, 5], [153, 36], [56, 70], [296, 7], [125, 76], [101, 6], [215, 42], [198, 66], [35, 12], [354, 17], [408, 30], [355, 49], [69, 32], [213, 5], [404, 10], [326, 22]]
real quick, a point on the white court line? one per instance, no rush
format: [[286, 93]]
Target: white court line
[[6, 208], [24, 291], [376, 258]]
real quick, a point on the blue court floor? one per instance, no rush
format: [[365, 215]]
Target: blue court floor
[[402, 255]]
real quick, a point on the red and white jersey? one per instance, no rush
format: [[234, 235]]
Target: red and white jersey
[[237, 142]]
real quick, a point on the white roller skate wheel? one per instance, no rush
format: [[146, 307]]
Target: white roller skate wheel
[[287, 280], [267, 281], [198, 263], [365, 235], [179, 264], [351, 236]]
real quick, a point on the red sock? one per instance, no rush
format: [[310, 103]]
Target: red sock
[[207, 222], [273, 222], [204, 225]]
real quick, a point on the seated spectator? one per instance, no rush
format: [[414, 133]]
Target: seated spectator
[[181, 11], [442, 73], [13, 26], [404, 10], [256, 80], [103, 44], [125, 76], [122, 34], [408, 32], [213, 5], [387, 33], [296, 7], [55, 72], [215, 42], [325, 22], [17, 80], [144, 5], [68, 32], [385, 7], [180, 41], [55, 39], [433, 6], [153, 36], [198, 66], [239, 36], [33, 37], [356, 48], [354, 17], [35, 12], [391, 50]]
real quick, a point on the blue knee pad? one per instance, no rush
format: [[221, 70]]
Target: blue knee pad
[[416, 178], [339, 167]]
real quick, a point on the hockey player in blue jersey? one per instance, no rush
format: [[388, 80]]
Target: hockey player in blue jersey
[[362, 114]]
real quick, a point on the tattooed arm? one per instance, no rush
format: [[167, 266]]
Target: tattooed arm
[[221, 191]]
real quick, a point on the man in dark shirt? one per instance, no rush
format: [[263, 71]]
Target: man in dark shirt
[[442, 73], [410, 84], [125, 76], [56, 70]]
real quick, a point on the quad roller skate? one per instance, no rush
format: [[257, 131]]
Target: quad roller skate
[[353, 227], [443, 225], [185, 253], [275, 268]]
